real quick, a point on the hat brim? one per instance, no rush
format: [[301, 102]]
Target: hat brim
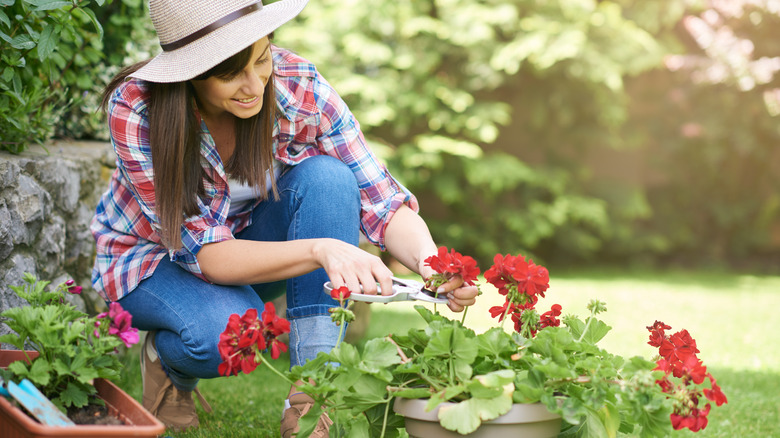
[[204, 53]]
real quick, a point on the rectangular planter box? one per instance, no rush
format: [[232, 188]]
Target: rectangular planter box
[[138, 422]]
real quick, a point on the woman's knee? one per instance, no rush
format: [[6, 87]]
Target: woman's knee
[[329, 175]]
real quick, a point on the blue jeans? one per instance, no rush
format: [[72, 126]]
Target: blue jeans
[[319, 198]]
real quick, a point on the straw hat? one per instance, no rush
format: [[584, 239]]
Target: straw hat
[[196, 35]]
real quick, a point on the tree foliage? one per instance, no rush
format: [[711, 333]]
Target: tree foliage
[[50, 54], [437, 81]]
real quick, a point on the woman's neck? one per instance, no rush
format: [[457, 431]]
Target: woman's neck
[[223, 132]]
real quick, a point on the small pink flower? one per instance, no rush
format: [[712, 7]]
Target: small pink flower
[[72, 288], [121, 324]]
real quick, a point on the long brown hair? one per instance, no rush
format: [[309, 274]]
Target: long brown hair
[[174, 138]]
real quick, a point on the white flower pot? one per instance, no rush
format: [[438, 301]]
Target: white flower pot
[[522, 421]]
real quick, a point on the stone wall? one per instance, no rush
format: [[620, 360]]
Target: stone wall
[[46, 203], [47, 200]]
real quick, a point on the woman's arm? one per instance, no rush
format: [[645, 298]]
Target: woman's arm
[[250, 262], [408, 239]]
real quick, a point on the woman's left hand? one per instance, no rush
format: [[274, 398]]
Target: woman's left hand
[[458, 294]]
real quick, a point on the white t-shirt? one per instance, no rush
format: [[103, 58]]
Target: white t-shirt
[[243, 194]]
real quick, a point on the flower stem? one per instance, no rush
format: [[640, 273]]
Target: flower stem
[[341, 331], [463, 319], [506, 312], [384, 420], [268, 364], [585, 330]]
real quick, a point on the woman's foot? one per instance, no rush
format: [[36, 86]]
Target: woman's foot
[[296, 406], [173, 407]]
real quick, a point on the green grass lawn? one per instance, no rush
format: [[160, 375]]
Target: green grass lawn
[[732, 317]]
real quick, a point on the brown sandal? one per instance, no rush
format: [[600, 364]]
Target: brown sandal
[[299, 405]]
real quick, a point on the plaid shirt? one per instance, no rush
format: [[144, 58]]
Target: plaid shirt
[[312, 120]]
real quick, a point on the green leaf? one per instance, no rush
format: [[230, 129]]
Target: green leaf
[[610, 418], [440, 344], [95, 21], [74, 395], [465, 417], [22, 42], [595, 331], [87, 375], [380, 353], [494, 342], [40, 372], [4, 19], [413, 393], [442, 396], [359, 428], [19, 368], [308, 422], [346, 354], [47, 42], [7, 2], [48, 5]]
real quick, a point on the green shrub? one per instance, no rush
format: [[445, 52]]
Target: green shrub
[[51, 62], [47, 48]]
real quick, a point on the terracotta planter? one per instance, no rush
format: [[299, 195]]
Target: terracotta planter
[[522, 421], [138, 422]]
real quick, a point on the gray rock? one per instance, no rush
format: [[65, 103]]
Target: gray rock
[[29, 205], [9, 172], [50, 246], [62, 179], [6, 242]]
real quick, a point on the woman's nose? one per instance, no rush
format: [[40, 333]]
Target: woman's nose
[[254, 84]]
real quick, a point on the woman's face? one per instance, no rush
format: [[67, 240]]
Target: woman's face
[[242, 95]]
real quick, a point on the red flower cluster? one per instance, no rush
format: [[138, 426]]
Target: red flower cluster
[[678, 359], [522, 282], [515, 273], [448, 265], [246, 336]]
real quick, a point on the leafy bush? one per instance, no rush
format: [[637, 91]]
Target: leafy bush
[[51, 53], [73, 347], [438, 81]]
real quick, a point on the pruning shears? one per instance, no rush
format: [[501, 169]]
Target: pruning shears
[[403, 290]]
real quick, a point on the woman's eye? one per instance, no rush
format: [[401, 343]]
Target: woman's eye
[[262, 60]]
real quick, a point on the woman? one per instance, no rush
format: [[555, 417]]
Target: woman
[[238, 168]]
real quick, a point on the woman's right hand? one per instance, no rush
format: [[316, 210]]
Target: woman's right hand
[[348, 265]]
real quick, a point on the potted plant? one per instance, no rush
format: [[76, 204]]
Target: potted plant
[[69, 356], [546, 377]]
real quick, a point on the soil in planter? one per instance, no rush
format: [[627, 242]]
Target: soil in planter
[[93, 414]]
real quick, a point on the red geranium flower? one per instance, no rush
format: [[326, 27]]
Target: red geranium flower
[[247, 335], [695, 421], [340, 294], [678, 347], [657, 333], [549, 319], [715, 394], [449, 264]]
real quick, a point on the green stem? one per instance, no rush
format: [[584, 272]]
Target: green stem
[[463, 319], [506, 311], [384, 420], [585, 330], [341, 331], [268, 364]]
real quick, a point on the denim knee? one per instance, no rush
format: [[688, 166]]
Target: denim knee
[[328, 175]]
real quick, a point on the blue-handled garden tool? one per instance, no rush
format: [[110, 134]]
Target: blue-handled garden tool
[[35, 402]]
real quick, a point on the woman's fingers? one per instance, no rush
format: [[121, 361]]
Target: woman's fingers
[[350, 266], [463, 297]]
